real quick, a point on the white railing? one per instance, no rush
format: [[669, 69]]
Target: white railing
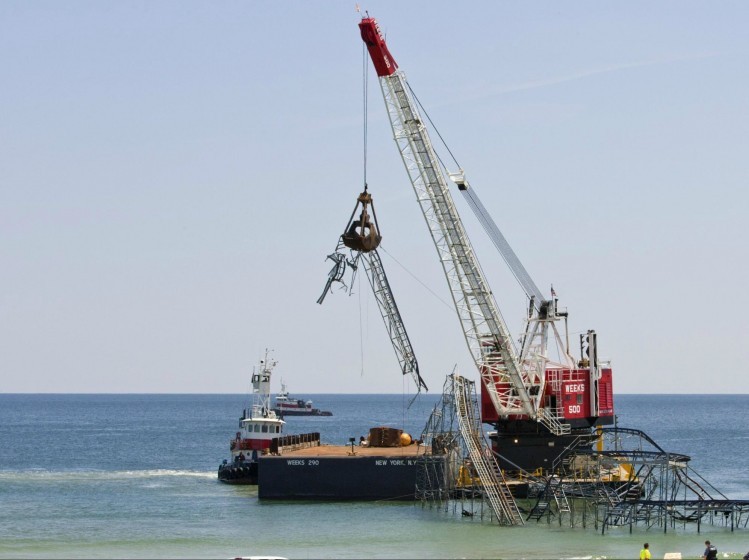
[[550, 417], [494, 486]]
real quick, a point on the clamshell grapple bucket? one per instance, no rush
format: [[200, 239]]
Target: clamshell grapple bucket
[[362, 234]]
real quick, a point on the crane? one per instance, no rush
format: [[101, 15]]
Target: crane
[[514, 381]]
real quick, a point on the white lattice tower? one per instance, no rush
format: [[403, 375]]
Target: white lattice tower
[[508, 384]]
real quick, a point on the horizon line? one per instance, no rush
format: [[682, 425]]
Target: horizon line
[[347, 394]]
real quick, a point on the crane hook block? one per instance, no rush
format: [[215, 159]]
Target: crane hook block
[[362, 235]]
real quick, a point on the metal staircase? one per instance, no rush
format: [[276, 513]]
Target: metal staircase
[[553, 491], [563, 463], [540, 509], [550, 418], [493, 483], [556, 486]]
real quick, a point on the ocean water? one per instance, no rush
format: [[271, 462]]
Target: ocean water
[[134, 476]]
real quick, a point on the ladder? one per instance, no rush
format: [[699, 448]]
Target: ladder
[[539, 510], [494, 485], [554, 490], [556, 486]]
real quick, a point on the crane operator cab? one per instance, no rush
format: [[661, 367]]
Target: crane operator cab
[[362, 235]]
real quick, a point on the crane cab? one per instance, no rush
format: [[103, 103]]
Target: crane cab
[[524, 442]]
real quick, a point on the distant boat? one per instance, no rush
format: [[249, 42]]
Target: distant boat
[[287, 406]]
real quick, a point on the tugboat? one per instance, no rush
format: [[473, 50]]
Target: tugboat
[[286, 406], [258, 428]]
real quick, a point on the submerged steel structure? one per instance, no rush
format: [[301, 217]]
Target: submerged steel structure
[[621, 479], [628, 480]]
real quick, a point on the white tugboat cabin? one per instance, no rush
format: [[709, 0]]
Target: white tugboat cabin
[[258, 427]]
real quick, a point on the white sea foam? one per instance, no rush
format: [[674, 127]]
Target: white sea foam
[[39, 474]]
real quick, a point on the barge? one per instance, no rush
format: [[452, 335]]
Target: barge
[[332, 472]]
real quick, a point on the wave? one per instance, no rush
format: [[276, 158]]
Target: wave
[[88, 475]]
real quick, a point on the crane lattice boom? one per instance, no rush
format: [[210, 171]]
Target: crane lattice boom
[[514, 387]]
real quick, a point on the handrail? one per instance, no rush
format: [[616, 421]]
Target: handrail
[[493, 482]]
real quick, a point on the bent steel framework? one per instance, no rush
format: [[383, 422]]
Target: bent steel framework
[[361, 236], [621, 478]]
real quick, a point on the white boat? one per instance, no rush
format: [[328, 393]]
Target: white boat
[[259, 426], [287, 406]]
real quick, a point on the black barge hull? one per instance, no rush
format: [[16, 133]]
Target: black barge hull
[[338, 478]]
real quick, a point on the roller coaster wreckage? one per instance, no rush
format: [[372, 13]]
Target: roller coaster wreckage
[[625, 480]]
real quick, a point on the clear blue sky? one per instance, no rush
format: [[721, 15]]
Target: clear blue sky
[[173, 174]]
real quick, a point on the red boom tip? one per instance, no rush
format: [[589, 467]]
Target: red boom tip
[[383, 61]]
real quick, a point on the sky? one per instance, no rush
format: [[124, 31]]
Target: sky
[[173, 175]]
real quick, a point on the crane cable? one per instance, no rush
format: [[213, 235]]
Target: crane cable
[[500, 242], [426, 114], [365, 82], [427, 288]]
